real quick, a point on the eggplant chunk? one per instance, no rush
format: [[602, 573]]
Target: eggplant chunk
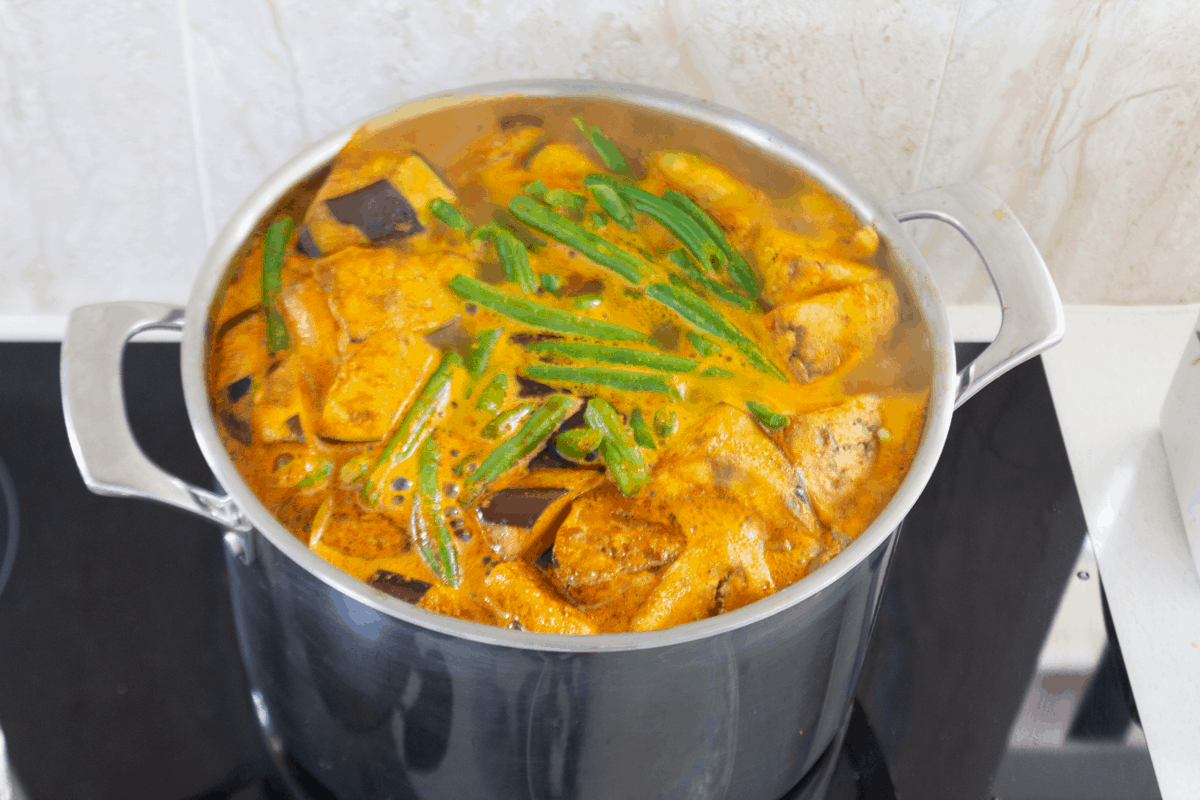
[[459, 603], [520, 520], [410, 590], [371, 198], [283, 410], [834, 329], [519, 590], [314, 333], [371, 288], [723, 567], [375, 385], [341, 526], [728, 454], [836, 449], [796, 267]]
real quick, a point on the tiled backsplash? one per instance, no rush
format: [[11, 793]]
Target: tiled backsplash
[[130, 131]]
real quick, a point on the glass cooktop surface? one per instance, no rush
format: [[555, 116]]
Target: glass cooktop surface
[[993, 670]]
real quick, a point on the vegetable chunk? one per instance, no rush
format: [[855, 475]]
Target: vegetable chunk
[[519, 590], [795, 267], [375, 385], [834, 329]]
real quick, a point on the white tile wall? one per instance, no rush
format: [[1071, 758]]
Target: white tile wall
[[130, 131]]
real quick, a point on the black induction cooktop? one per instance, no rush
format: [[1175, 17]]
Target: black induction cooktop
[[120, 675]]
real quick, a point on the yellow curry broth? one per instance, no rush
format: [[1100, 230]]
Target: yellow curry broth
[[727, 510]]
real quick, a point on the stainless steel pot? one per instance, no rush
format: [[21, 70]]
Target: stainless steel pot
[[362, 695]]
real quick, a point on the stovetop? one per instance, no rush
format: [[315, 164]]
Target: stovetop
[[993, 670]]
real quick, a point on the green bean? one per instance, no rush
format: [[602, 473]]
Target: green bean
[[428, 524], [607, 151], [515, 260], [354, 470], [448, 214], [598, 219], [550, 282], [641, 431], [481, 352], [272, 282], [492, 396], [535, 189], [615, 355], [516, 447], [695, 311], [618, 448], [415, 425], [503, 423], [560, 199], [681, 226], [715, 372], [613, 204], [680, 259], [666, 422], [623, 380], [769, 417], [318, 475], [738, 269], [598, 249], [537, 315], [578, 442], [704, 346]]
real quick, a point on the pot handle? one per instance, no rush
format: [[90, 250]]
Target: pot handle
[[109, 457], [1032, 315]]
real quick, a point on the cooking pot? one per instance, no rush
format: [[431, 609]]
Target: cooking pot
[[362, 695]]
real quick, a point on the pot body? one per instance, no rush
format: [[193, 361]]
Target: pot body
[[362, 704], [363, 695]]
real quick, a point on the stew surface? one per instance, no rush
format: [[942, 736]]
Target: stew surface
[[557, 388]]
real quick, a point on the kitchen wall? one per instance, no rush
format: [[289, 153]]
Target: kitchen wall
[[130, 131]]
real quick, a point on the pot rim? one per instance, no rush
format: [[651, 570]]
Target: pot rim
[[777, 144]]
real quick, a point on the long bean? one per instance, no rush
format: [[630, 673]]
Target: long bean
[[612, 202], [641, 431], [272, 282], [415, 425], [598, 249], [481, 352], [505, 421], [428, 525], [618, 448], [578, 442], [607, 151], [703, 316], [539, 316], [448, 214], [530, 435], [492, 396], [769, 417], [704, 346], [680, 259], [682, 227], [620, 379], [609, 354], [515, 260], [738, 269]]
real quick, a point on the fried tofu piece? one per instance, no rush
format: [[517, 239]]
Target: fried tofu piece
[[314, 333], [561, 166], [495, 162], [728, 454], [371, 198], [520, 590], [342, 526], [834, 329], [723, 567], [734, 205], [795, 267], [836, 449], [375, 386], [371, 288], [901, 422], [459, 603], [607, 537]]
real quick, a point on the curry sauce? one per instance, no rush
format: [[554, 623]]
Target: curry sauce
[[551, 388]]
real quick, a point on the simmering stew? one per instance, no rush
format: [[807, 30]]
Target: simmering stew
[[555, 387]]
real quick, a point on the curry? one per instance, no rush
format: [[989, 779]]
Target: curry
[[560, 389]]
